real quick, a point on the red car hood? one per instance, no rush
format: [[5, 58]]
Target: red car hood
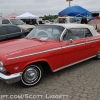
[[18, 44]]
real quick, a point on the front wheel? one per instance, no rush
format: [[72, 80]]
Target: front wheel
[[32, 75]]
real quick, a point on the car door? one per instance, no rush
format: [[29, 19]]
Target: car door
[[13, 31], [3, 33], [93, 42], [74, 46]]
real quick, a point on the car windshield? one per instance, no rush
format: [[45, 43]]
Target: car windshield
[[46, 32], [17, 21]]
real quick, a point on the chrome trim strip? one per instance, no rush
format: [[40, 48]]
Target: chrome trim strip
[[72, 64], [35, 53], [68, 46], [72, 45], [45, 51], [62, 34], [93, 41]]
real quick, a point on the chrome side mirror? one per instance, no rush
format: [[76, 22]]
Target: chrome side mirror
[[70, 40]]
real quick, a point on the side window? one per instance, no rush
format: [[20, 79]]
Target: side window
[[13, 29], [5, 21], [3, 30], [87, 33], [78, 32], [74, 33], [62, 20]]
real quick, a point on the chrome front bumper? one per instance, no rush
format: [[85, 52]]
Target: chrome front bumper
[[10, 78]]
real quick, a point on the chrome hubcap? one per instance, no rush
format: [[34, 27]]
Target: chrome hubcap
[[98, 54], [30, 75]]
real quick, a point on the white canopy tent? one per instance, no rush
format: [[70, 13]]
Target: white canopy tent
[[27, 16]]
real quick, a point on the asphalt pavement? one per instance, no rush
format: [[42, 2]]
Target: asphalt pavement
[[77, 82]]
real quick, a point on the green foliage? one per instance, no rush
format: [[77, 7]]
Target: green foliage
[[49, 17]]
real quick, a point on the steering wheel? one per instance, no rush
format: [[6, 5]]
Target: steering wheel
[[42, 33]]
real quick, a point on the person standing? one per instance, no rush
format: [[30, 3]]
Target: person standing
[[84, 20]]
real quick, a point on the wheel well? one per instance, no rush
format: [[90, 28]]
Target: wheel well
[[45, 66]]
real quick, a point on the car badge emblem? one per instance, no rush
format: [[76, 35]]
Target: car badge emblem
[[16, 68]]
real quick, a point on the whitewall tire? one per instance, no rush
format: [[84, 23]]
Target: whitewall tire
[[32, 75]]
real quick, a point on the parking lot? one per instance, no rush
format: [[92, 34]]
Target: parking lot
[[78, 82]]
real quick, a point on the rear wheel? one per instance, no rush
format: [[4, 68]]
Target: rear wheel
[[32, 75], [98, 55]]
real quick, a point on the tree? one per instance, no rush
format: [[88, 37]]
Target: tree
[[49, 17]]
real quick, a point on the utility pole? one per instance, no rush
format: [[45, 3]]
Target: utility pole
[[69, 2], [15, 10], [0, 18]]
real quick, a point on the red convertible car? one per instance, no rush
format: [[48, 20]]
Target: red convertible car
[[55, 46]]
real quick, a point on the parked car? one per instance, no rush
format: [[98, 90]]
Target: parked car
[[18, 22], [67, 19], [11, 32], [47, 22], [55, 46]]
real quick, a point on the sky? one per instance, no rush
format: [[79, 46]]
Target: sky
[[44, 7]]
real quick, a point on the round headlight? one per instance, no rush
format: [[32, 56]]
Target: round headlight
[[2, 69], [1, 63]]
